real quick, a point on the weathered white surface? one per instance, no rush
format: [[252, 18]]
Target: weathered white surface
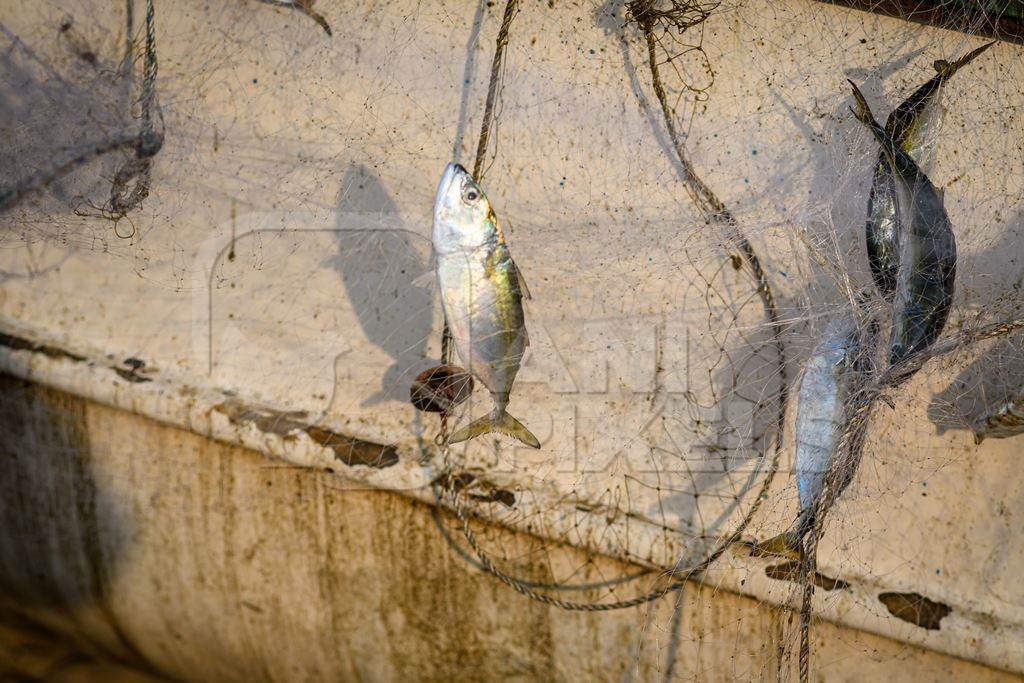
[[313, 314]]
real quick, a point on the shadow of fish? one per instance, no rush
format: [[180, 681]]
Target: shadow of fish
[[379, 265], [910, 126], [992, 379], [927, 248]]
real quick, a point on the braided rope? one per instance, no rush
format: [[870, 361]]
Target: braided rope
[[708, 203], [149, 140]]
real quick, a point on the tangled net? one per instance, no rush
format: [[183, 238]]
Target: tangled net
[[708, 433]]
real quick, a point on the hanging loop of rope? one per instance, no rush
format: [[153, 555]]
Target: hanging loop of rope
[[706, 199], [150, 139]]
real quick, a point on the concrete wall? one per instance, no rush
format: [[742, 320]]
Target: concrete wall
[[270, 287], [202, 561]]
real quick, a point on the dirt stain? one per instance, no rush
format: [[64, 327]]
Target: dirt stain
[[478, 489], [916, 609], [131, 373], [22, 344], [347, 449]]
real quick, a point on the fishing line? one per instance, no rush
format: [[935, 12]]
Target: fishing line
[[854, 436], [524, 588], [147, 142], [43, 179], [709, 204], [852, 441]]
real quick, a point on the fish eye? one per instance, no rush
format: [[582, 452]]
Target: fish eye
[[470, 194]]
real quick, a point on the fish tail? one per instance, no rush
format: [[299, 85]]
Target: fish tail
[[947, 69], [979, 431], [502, 423], [785, 544], [788, 543], [863, 111]]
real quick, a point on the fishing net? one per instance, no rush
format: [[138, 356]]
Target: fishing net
[[241, 196]]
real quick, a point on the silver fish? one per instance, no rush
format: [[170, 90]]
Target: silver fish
[[1005, 421], [927, 248], [909, 125], [481, 292], [832, 374]]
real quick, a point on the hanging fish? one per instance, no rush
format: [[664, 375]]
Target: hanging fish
[[1007, 420], [834, 372], [927, 248], [909, 125], [481, 292]]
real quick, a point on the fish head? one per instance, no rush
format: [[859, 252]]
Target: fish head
[[463, 218]]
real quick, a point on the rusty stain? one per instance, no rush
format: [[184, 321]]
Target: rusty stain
[[790, 571], [250, 606], [347, 449], [129, 374], [916, 609]]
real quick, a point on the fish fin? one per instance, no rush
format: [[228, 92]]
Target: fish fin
[[863, 111], [524, 291], [890, 148], [479, 426], [516, 429], [789, 542], [947, 69], [486, 424]]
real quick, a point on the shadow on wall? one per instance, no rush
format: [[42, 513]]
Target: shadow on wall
[[997, 374], [379, 261], [54, 105], [61, 538]]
